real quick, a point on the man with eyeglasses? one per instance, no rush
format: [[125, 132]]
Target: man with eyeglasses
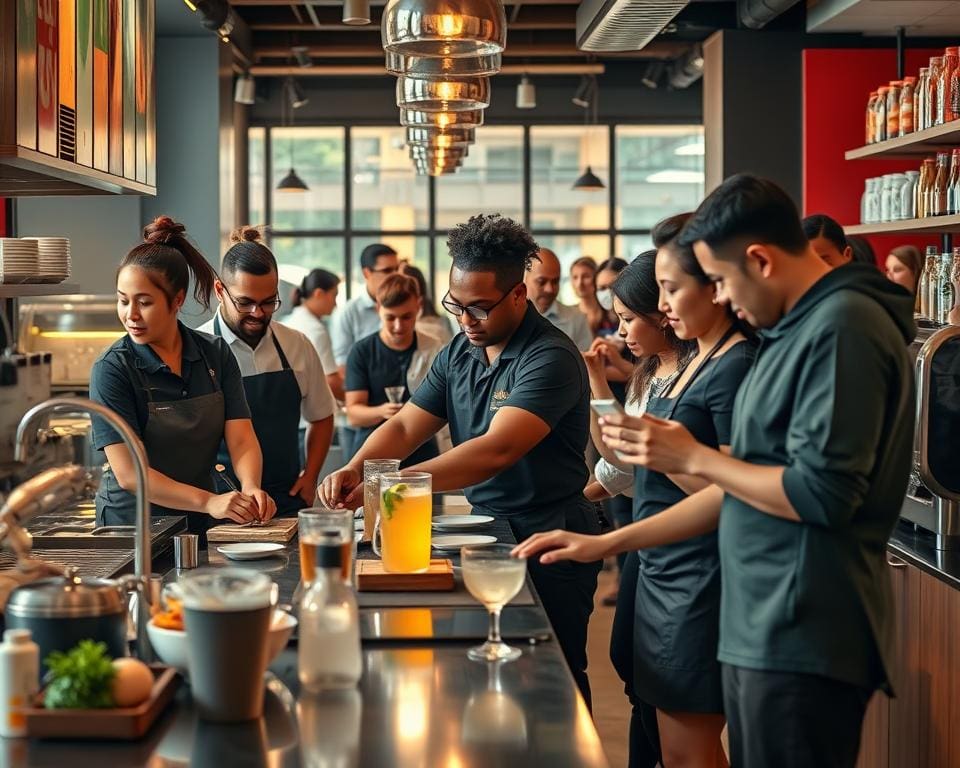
[[282, 375], [514, 390]]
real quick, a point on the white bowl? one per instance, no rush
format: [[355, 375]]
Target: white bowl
[[170, 645]]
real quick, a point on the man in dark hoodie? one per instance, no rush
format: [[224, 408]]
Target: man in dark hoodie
[[820, 455]]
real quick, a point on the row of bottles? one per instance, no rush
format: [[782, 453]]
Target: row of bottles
[[915, 103], [938, 187], [938, 288]]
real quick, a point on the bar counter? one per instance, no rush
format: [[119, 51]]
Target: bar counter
[[421, 701]]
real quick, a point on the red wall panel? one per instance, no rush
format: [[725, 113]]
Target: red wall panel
[[836, 85]]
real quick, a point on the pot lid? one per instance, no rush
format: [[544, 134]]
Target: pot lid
[[59, 597]]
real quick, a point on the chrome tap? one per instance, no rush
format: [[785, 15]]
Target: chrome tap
[[142, 557]]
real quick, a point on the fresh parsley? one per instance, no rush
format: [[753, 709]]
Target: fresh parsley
[[390, 497], [79, 678]]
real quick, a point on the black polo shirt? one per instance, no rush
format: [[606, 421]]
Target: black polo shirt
[[115, 385], [540, 371]]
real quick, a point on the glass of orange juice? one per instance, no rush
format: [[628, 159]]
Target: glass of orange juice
[[406, 505]]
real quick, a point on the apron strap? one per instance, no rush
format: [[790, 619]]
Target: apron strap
[[697, 371], [283, 358]]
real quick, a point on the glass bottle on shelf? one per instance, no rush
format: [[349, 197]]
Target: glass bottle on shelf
[[907, 94], [871, 117], [920, 97], [938, 191], [933, 286], [923, 288], [955, 93], [946, 294], [953, 183], [950, 63], [908, 195], [933, 115], [927, 171], [955, 279], [893, 109], [886, 192], [880, 114]]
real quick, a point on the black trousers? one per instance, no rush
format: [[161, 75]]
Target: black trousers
[[791, 720], [644, 734]]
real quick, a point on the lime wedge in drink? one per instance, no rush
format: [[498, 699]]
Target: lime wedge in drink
[[391, 496]]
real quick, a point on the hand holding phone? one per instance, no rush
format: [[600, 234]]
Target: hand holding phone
[[607, 407]]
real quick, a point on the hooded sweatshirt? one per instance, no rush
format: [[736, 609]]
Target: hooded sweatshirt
[[830, 397]]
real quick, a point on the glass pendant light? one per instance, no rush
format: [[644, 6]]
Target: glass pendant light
[[443, 95], [443, 66], [413, 118], [444, 27], [448, 137]]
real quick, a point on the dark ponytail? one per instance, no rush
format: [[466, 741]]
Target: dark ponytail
[[316, 279], [169, 259]]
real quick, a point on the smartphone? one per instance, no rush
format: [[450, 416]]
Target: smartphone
[[606, 407]]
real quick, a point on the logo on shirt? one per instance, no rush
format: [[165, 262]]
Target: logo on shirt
[[499, 397]]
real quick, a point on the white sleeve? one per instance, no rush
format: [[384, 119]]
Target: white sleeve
[[317, 401], [614, 480], [342, 335]]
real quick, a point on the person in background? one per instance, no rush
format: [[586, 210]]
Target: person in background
[[863, 252], [607, 272], [396, 356], [515, 392], [430, 322], [583, 278], [314, 299], [543, 285], [904, 265], [828, 240], [359, 318], [282, 375], [178, 389]]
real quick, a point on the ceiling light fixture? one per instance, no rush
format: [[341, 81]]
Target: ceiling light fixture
[[581, 96], [413, 118], [588, 181], [444, 27], [218, 16], [295, 94], [291, 183], [443, 66], [653, 74], [356, 13], [526, 94], [245, 91], [446, 95], [450, 137], [190, 5], [302, 54]]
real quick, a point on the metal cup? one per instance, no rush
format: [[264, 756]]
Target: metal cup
[[186, 550]]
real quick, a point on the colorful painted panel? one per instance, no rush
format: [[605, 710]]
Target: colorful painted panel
[[129, 89], [27, 73], [48, 49], [101, 85], [85, 82], [116, 87], [141, 85], [67, 114], [150, 59]]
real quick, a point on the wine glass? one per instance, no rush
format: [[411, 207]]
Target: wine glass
[[494, 577], [394, 394]]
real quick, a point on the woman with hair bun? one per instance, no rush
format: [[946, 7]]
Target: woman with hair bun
[[178, 389], [314, 299]]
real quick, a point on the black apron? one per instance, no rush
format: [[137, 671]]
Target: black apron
[[181, 439], [274, 400], [677, 600]]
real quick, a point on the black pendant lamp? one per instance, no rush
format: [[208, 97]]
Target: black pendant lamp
[[291, 183], [588, 96]]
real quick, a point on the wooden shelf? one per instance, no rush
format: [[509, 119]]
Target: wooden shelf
[[25, 172], [940, 138], [932, 225], [15, 291]]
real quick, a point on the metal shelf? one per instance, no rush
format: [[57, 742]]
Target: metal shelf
[[18, 290], [940, 138]]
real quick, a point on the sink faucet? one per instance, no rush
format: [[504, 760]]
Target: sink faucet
[[142, 556]]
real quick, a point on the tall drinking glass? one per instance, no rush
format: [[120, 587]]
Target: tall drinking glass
[[372, 469], [317, 525], [494, 577], [406, 509]]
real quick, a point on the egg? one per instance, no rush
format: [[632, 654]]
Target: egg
[[132, 682]]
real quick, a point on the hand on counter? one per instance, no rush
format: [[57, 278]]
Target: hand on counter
[[233, 505], [266, 506], [305, 488], [563, 545], [648, 441], [343, 488]]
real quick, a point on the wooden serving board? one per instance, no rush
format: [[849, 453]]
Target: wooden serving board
[[372, 578], [125, 723], [278, 530]]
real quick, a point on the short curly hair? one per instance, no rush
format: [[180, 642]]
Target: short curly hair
[[493, 243]]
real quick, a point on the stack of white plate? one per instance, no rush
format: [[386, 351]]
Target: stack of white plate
[[19, 260], [54, 258]]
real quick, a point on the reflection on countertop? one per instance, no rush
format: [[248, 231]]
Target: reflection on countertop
[[917, 546]]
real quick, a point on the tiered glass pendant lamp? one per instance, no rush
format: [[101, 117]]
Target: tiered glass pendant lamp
[[444, 28]]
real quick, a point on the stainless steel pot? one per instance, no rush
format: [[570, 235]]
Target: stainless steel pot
[[61, 611]]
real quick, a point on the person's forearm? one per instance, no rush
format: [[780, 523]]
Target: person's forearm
[[318, 437], [363, 416], [467, 464], [694, 516], [167, 492], [600, 388], [757, 485], [617, 374], [335, 382], [595, 492], [689, 484], [247, 463]]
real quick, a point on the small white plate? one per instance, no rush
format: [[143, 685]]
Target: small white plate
[[460, 522], [448, 543], [254, 550]]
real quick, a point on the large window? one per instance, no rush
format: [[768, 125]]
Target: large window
[[362, 190]]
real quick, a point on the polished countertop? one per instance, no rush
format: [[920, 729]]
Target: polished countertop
[[917, 546]]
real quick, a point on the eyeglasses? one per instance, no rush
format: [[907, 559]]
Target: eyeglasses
[[477, 313], [247, 306], [386, 270]]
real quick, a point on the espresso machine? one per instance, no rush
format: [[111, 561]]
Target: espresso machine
[[933, 496]]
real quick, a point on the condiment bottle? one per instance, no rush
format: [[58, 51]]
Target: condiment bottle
[[927, 172], [871, 117], [19, 676], [950, 63], [953, 184], [920, 97], [947, 296], [923, 289], [938, 192], [934, 116], [893, 109], [955, 93], [933, 285], [880, 114], [907, 95]]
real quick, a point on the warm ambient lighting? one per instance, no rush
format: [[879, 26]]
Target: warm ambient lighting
[[444, 27], [79, 335], [413, 118], [696, 149], [445, 138], [675, 176], [443, 66], [190, 5], [459, 95]]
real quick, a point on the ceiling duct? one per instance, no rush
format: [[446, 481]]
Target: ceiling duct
[[623, 25], [756, 14]]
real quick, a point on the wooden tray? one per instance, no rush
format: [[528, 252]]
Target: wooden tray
[[126, 723], [372, 578], [278, 530]]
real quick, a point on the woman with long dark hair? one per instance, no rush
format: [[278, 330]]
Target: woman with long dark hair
[[179, 389], [314, 299]]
